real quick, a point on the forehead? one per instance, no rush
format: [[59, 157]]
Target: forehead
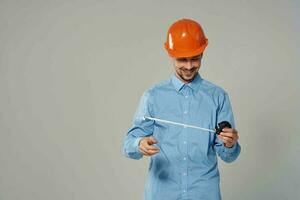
[[193, 57]]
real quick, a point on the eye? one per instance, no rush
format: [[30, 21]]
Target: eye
[[196, 59], [181, 59]]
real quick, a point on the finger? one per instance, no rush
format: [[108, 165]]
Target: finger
[[229, 140], [143, 151], [226, 139], [147, 147], [228, 134], [226, 143], [232, 135], [152, 152], [150, 147], [152, 140], [149, 152], [229, 130]]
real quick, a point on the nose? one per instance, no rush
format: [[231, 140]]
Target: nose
[[189, 64]]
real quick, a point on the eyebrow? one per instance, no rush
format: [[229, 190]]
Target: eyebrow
[[190, 58]]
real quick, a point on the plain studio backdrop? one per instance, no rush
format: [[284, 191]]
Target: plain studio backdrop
[[72, 74]]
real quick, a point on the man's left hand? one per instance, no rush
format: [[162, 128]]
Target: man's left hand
[[229, 136]]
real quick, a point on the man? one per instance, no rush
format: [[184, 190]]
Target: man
[[183, 161]]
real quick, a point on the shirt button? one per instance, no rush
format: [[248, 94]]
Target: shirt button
[[186, 96], [184, 190], [184, 158], [185, 112], [184, 142], [184, 174]]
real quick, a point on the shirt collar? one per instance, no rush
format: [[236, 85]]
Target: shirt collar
[[178, 84]]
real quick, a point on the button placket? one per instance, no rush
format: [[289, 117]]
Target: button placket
[[185, 118]]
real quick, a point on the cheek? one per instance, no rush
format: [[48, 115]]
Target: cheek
[[198, 64], [179, 67]]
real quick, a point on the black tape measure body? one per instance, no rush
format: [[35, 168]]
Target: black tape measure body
[[221, 125]]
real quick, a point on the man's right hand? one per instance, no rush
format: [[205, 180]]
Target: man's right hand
[[146, 148]]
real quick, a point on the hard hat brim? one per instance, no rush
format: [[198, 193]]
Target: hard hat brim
[[183, 54]]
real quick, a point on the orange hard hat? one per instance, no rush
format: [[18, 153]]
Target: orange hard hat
[[185, 38]]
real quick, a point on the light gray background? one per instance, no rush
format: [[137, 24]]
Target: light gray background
[[72, 73]]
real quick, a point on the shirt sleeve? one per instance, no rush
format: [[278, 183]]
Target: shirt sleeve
[[225, 114], [140, 128]]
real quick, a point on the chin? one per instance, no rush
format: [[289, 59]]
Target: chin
[[189, 78]]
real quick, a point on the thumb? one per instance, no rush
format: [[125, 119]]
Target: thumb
[[152, 140]]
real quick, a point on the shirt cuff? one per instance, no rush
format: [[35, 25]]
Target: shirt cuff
[[136, 144], [230, 149]]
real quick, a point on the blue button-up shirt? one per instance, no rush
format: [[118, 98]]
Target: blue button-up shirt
[[186, 166]]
